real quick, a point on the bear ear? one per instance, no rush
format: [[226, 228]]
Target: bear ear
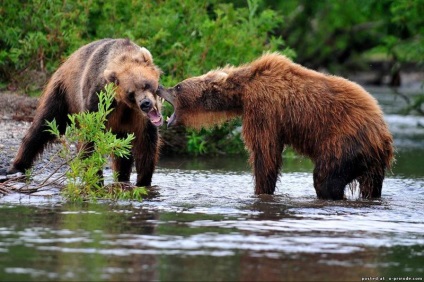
[[221, 75], [240, 76], [147, 56], [110, 76], [215, 76]]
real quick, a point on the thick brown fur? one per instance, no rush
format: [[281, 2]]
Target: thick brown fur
[[332, 120], [73, 88]]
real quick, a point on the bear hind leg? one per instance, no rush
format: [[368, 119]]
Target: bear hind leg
[[331, 187], [331, 183], [371, 183], [55, 107]]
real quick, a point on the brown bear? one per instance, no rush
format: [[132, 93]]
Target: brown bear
[[333, 121], [73, 88]]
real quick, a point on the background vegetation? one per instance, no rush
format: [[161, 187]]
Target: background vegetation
[[190, 37]]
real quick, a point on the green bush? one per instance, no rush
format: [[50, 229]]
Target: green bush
[[89, 129], [36, 36]]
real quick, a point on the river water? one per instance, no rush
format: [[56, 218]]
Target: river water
[[201, 221]]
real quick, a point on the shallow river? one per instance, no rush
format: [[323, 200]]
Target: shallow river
[[202, 222]]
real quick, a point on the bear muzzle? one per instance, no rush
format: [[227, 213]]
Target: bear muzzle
[[166, 94], [169, 96]]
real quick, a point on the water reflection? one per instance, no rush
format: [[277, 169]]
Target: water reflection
[[127, 242], [192, 229]]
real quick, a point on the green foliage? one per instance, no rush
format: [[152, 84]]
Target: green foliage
[[223, 139], [196, 143], [405, 33], [89, 128], [37, 35], [336, 34], [322, 32], [125, 193]]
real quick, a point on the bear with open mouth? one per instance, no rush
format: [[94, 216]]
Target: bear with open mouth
[[329, 119], [73, 88]]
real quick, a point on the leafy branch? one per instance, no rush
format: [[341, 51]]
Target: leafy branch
[[84, 177]]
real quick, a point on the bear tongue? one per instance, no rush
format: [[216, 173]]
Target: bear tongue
[[155, 117]]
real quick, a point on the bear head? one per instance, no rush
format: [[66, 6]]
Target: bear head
[[136, 80], [204, 100]]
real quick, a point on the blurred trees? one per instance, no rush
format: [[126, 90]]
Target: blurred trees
[[340, 35]]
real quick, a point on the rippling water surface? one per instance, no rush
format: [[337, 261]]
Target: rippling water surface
[[202, 222]]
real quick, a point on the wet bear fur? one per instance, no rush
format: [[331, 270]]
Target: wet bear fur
[[329, 119], [73, 88]]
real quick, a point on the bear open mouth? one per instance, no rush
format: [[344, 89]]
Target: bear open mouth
[[155, 117]]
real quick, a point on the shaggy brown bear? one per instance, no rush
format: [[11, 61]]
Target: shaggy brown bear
[[333, 121], [73, 88]]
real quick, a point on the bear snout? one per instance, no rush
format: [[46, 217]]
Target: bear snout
[[146, 105], [166, 93]]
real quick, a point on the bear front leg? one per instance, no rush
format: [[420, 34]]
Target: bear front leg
[[122, 166], [146, 152], [265, 173], [266, 159]]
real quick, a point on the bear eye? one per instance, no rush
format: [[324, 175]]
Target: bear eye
[[147, 86], [178, 87], [131, 96]]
